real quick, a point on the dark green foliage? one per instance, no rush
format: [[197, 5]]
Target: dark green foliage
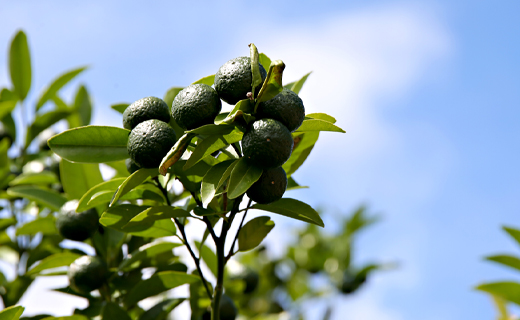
[[145, 109], [87, 273], [285, 107], [78, 226], [267, 144], [149, 142], [233, 79], [270, 187], [195, 106]]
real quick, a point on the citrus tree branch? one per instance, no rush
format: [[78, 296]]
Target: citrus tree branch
[[231, 253]]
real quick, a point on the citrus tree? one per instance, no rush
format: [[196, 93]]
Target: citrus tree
[[177, 162]]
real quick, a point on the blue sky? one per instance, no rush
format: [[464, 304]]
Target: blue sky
[[428, 93]]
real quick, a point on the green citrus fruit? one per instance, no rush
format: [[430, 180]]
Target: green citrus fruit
[[270, 187], [233, 80], [78, 226], [87, 273], [250, 278], [145, 109], [285, 107], [131, 166], [227, 311], [267, 143], [195, 106], [149, 142]]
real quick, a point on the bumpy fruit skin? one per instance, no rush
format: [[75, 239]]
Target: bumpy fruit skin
[[87, 273], [267, 143], [195, 106], [145, 109], [131, 166], [233, 79], [149, 142], [270, 187], [78, 226], [285, 107]]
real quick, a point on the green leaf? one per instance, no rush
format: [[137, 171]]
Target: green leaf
[[318, 125], [12, 313], [292, 208], [159, 229], [321, 116], [147, 251], [209, 257], [6, 107], [83, 106], [297, 86], [509, 291], [242, 177], [514, 233], [210, 182], [209, 80], [15, 289], [44, 178], [54, 261], [94, 144], [253, 232], [293, 185], [264, 60], [255, 69], [56, 85], [358, 221], [211, 144], [175, 153], [213, 129], [161, 310], [147, 218], [74, 317], [133, 181], [120, 107], [303, 145], [6, 223], [273, 82], [106, 186], [117, 217], [45, 197], [507, 260], [42, 122], [20, 65], [158, 283], [170, 95], [45, 225], [112, 311], [78, 178]]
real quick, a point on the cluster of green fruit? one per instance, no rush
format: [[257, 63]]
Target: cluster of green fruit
[[267, 143]]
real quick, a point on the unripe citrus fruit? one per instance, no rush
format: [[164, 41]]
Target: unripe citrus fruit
[[87, 273], [195, 106], [145, 109], [149, 142], [77, 226], [285, 107], [270, 187]]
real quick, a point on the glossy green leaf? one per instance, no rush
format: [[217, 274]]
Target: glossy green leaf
[[292, 208], [118, 216], [83, 106], [147, 218], [213, 129], [293, 185], [211, 144], [321, 116], [42, 122], [120, 107], [506, 260], [56, 85], [147, 251], [42, 178], [44, 197], [54, 261], [509, 291], [94, 144], [106, 186], [303, 145], [112, 311], [253, 232], [209, 257], [210, 182], [12, 313], [209, 80], [170, 95], [45, 225], [264, 60], [273, 82], [297, 86], [175, 153], [78, 178], [20, 65], [161, 310], [318, 125], [158, 229], [158, 283], [242, 178], [133, 181], [6, 107], [255, 69], [6, 223]]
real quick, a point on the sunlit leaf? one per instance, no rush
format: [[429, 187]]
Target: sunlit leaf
[[133, 181], [210, 145], [242, 178], [20, 65], [292, 208], [83, 106], [41, 178], [147, 251], [297, 86], [11, 313], [209, 257], [78, 178], [45, 225], [303, 145], [318, 125], [106, 186], [42, 122], [170, 95], [54, 261], [253, 232], [509, 291], [45, 197], [175, 153], [211, 180], [56, 85], [273, 82], [209, 80], [120, 107], [255, 69], [147, 217], [321, 116]]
